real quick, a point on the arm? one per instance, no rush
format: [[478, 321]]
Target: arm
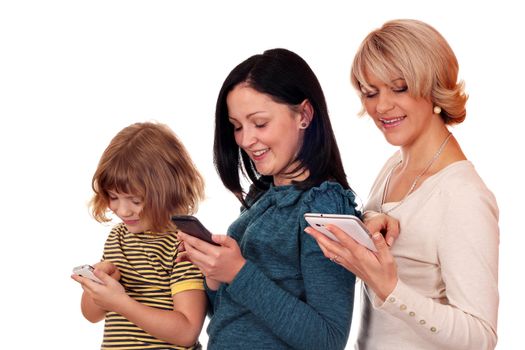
[[468, 256], [378, 270], [317, 314], [319, 321], [180, 326], [468, 253], [210, 285], [90, 310]]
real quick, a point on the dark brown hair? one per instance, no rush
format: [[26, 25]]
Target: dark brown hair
[[287, 79]]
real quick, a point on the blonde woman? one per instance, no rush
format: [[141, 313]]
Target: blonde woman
[[436, 287]]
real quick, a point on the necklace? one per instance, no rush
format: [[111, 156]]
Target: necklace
[[413, 186]]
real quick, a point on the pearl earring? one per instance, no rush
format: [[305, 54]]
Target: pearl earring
[[437, 110]]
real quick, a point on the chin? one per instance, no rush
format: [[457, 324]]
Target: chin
[[394, 140], [264, 172]]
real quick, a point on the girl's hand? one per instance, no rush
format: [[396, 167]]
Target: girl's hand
[[108, 296], [378, 270], [379, 222], [109, 268], [217, 263]]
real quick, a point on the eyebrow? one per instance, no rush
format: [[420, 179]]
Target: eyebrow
[[248, 116], [394, 80]]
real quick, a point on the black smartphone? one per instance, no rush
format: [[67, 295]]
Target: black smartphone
[[191, 225]]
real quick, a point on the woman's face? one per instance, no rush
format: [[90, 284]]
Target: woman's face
[[269, 132], [401, 117]]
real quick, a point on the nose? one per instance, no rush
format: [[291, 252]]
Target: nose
[[123, 210], [246, 137], [384, 103]]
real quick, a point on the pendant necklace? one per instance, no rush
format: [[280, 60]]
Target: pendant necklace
[[413, 186]]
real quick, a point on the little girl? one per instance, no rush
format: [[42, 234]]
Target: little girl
[[148, 300]]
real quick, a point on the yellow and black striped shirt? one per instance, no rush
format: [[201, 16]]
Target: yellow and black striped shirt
[[150, 275]]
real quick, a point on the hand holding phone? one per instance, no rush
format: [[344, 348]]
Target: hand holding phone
[[350, 224], [191, 225], [86, 271]]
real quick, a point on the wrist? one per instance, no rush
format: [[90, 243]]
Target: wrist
[[238, 268], [367, 214], [212, 284], [384, 290], [123, 303]]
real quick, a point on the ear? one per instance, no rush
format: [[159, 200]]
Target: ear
[[306, 112]]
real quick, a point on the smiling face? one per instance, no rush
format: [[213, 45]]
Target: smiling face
[[269, 132], [128, 208], [401, 117]]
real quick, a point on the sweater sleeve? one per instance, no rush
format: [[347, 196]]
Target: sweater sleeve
[[321, 318], [468, 255], [211, 294]]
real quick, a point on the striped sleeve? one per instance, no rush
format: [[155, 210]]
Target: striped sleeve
[[186, 276]]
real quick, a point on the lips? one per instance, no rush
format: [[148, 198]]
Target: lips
[[131, 222], [259, 154], [391, 122]]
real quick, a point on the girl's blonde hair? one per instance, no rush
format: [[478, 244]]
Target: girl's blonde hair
[[148, 160], [416, 52]]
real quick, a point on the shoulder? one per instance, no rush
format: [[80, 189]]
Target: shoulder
[[118, 230], [460, 181], [329, 197], [467, 205]]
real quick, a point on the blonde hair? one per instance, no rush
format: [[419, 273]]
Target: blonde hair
[[148, 160], [416, 52]]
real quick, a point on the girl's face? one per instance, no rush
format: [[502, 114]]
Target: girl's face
[[401, 117], [128, 208], [269, 132]]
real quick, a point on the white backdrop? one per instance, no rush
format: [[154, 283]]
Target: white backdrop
[[73, 73]]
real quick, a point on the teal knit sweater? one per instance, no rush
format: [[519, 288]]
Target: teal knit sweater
[[287, 295]]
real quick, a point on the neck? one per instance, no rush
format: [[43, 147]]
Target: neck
[[287, 178], [416, 155]]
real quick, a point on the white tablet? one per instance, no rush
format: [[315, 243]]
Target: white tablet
[[350, 224]]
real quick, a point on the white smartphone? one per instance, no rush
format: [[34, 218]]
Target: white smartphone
[[86, 271], [350, 224]]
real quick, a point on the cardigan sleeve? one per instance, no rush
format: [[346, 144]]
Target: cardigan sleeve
[[468, 254], [321, 318]]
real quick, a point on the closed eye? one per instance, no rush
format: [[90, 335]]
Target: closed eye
[[400, 89], [369, 94]]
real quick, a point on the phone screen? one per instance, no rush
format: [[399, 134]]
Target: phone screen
[[350, 224], [192, 226], [86, 271]]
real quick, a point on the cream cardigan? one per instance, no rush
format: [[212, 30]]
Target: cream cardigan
[[447, 258]]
